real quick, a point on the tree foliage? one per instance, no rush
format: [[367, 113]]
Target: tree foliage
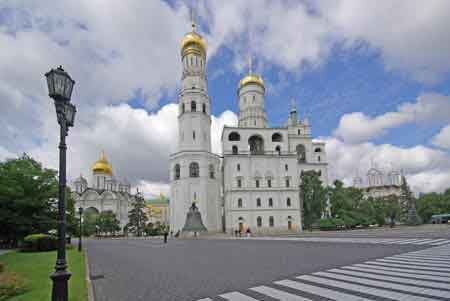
[[313, 197], [432, 203], [107, 222], [137, 216], [28, 198]]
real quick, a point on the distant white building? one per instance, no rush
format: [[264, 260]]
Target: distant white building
[[255, 184], [379, 184], [105, 194]]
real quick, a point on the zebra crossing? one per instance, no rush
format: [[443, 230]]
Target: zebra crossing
[[384, 241], [418, 275]]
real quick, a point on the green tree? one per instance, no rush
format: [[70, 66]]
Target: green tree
[[312, 196], [90, 223], [137, 216], [433, 203], [28, 198], [408, 205], [107, 222]]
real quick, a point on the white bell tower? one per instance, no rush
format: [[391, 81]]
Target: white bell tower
[[194, 170]]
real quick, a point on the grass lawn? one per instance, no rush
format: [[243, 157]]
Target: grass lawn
[[35, 269]]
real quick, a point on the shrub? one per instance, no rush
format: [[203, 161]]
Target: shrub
[[40, 243], [327, 224], [11, 284]]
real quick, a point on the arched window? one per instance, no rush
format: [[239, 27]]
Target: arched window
[[193, 106], [269, 183], [177, 172], [259, 221], [239, 183], [204, 108], [211, 171], [238, 167], [234, 136], [318, 158], [278, 149], [182, 108], [194, 170], [288, 182], [257, 183], [301, 153], [235, 150], [239, 204], [286, 167], [271, 221], [288, 202], [277, 137], [318, 150], [256, 145], [270, 202], [258, 202], [299, 132]]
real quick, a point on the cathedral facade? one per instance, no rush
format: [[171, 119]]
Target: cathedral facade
[[105, 194], [255, 182]]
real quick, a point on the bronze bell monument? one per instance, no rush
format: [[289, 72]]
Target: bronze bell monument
[[194, 221]]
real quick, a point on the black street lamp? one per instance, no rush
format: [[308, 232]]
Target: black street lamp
[[80, 211], [60, 87]]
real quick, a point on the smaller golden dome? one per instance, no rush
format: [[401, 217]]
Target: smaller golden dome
[[251, 79], [102, 165]]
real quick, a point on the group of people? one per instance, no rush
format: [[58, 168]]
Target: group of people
[[240, 231]]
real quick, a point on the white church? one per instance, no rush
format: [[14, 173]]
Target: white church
[[255, 182]]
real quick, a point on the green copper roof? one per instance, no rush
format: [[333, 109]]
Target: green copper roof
[[161, 200]]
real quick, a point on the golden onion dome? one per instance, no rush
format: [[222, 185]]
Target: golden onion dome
[[102, 165], [193, 39], [251, 79]]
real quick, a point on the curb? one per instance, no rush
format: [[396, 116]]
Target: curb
[[90, 288]]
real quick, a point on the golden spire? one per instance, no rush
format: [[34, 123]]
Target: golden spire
[[192, 41], [251, 77], [102, 165]]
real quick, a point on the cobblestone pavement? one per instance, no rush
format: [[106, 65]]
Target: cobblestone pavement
[[200, 268], [419, 275]]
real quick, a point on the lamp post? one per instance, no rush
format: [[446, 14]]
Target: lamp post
[[60, 87], [80, 211]]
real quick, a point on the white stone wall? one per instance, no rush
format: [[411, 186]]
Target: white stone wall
[[251, 106]]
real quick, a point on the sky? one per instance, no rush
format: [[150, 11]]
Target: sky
[[373, 77]]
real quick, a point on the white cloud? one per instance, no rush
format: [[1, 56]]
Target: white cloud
[[428, 169], [442, 139], [429, 107], [411, 35]]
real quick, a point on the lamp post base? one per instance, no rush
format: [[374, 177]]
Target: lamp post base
[[60, 287]]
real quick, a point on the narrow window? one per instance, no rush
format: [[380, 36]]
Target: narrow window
[[239, 183], [235, 150], [271, 221], [193, 106], [239, 203], [287, 183], [182, 108], [211, 171], [238, 167], [278, 150], [269, 183], [258, 202], [286, 167], [194, 170], [288, 202], [177, 172], [259, 221], [318, 158], [257, 183], [299, 132], [270, 202], [193, 135], [204, 108]]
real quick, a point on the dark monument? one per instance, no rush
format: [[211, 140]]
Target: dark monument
[[194, 221]]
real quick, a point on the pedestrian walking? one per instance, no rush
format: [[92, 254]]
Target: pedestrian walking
[[165, 236]]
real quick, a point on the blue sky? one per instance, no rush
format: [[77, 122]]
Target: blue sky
[[373, 78]]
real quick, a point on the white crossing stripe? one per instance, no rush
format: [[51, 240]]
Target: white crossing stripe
[[320, 291], [425, 258], [422, 241], [384, 284], [394, 279], [404, 270], [409, 241], [421, 263], [206, 299], [416, 267], [277, 294], [441, 243], [445, 262], [408, 275], [236, 296], [429, 241], [362, 288]]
